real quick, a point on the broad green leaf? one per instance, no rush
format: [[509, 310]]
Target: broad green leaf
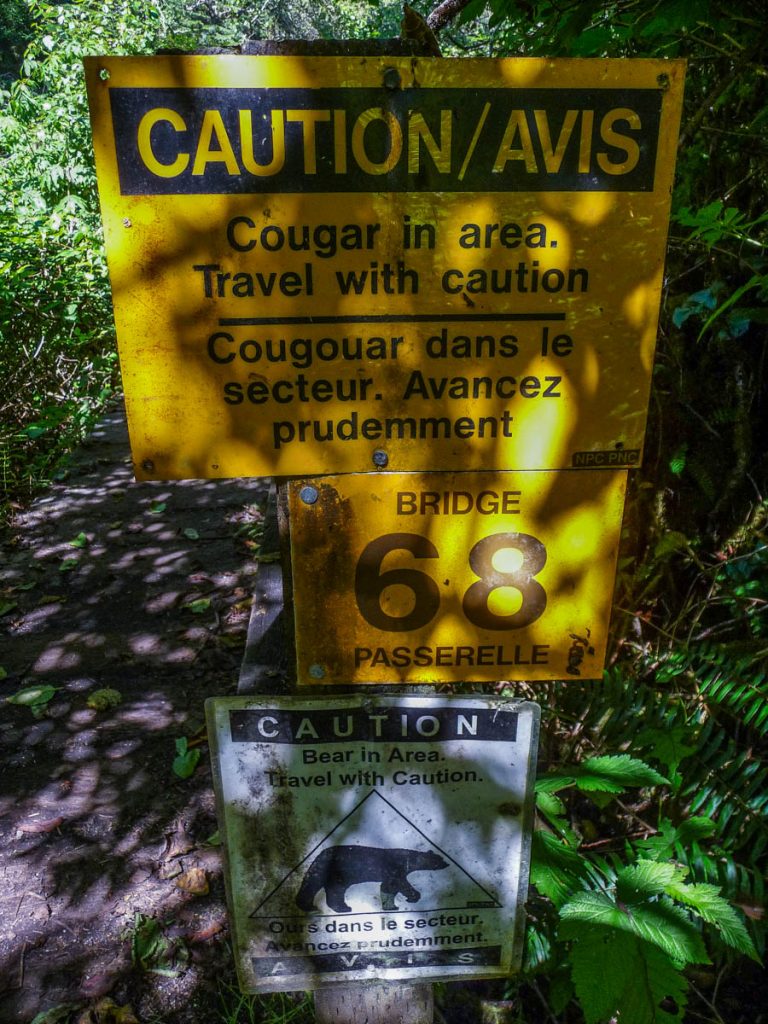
[[662, 847], [707, 901], [550, 805], [556, 870], [590, 908], [156, 507], [79, 541], [33, 695], [619, 976], [619, 770], [553, 782], [191, 533], [668, 745], [68, 564], [185, 762], [200, 605], [609, 774], [644, 879], [7, 606], [659, 922]]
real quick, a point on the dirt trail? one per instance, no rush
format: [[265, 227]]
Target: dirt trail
[[144, 589]]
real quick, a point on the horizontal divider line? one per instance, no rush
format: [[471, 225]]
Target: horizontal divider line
[[395, 318]]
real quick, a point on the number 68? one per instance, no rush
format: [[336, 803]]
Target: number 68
[[370, 582]]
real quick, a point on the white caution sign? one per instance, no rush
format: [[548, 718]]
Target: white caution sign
[[374, 837]]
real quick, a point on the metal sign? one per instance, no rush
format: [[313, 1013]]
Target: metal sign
[[374, 838], [450, 577], [455, 263]]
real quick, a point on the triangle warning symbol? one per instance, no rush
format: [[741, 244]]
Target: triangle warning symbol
[[375, 860]]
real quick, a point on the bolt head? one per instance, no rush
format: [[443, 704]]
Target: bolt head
[[380, 458], [309, 494]]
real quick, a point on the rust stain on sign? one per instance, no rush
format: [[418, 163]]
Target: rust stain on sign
[[309, 265]]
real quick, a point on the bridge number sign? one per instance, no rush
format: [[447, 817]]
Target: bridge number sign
[[450, 577]]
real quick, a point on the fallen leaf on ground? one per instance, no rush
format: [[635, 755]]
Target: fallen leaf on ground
[[106, 1011], [103, 700], [194, 881], [33, 696]]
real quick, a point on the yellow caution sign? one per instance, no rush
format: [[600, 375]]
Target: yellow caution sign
[[455, 262], [451, 577]]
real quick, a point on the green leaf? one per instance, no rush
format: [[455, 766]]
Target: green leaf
[[186, 760], [671, 542], [197, 607], [619, 976], [612, 774], [3, 673], [556, 870], [644, 879], [668, 744], [190, 533], [660, 922], [32, 696], [148, 944], [68, 565], [670, 928], [553, 782], [757, 280], [550, 805], [609, 774], [707, 901], [79, 541], [156, 507], [662, 846], [7, 606], [104, 699], [678, 460]]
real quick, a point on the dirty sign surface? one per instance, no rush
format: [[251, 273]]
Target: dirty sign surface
[[383, 838], [458, 262], [416, 578]]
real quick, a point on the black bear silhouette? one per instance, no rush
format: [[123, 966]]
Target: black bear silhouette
[[337, 868]]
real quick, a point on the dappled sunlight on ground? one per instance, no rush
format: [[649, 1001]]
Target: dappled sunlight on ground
[[144, 590]]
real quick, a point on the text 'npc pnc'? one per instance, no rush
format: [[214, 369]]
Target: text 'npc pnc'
[[381, 838], [455, 262]]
